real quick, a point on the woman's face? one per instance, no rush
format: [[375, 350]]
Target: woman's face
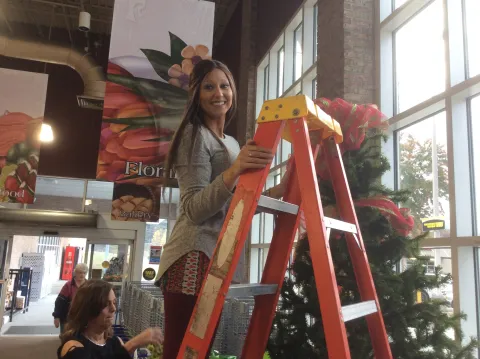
[[105, 318], [216, 95]]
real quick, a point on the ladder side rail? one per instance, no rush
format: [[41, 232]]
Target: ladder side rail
[[356, 249], [286, 226], [326, 282], [230, 245]]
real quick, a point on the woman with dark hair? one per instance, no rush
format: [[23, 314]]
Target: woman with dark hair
[[207, 164], [88, 333]]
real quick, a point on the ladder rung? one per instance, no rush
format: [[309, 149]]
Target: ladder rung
[[249, 290], [275, 206], [354, 311], [340, 225]]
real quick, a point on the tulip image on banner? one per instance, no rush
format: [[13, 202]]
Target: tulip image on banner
[[22, 106], [154, 46]]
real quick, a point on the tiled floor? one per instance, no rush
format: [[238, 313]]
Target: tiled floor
[[31, 341]]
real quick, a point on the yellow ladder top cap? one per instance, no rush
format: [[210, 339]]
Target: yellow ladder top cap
[[300, 106]]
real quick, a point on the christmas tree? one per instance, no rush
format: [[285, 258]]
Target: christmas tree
[[417, 330]]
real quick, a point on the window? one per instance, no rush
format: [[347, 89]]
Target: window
[[59, 194], [280, 71], [399, 3], [472, 29], [298, 52], [423, 170], [99, 197], [266, 81], [315, 32], [314, 88], [475, 133], [430, 89], [292, 58], [49, 245], [419, 49], [156, 235]]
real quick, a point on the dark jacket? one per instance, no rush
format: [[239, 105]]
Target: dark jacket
[[62, 303]]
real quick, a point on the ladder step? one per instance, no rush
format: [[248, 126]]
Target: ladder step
[[249, 290], [340, 225], [354, 311], [275, 206]]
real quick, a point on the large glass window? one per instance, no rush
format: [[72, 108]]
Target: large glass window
[[266, 81], [419, 49], [99, 197], [295, 74], [59, 194], [472, 27], [155, 238], [423, 170], [475, 134], [298, 52], [315, 32], [280, 71], [429, 86], [399, 3]]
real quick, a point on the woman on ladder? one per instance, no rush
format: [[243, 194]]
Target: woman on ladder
[[207, 164]]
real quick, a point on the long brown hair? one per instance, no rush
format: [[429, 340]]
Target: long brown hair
[[194, 114], [91, 298]]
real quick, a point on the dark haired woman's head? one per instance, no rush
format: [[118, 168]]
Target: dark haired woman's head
[[212, 92], [212, 97], [94, 305]]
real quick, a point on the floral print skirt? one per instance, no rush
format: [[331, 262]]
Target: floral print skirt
[[186, 275]]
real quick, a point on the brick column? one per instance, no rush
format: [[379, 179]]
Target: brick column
[[247, 78], [346, 50]]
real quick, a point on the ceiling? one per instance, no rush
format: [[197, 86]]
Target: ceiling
[[64, 14]]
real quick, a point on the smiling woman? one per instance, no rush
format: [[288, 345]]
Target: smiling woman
[[207, 164]]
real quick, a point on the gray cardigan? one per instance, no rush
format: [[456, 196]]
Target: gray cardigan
[[204, 198]]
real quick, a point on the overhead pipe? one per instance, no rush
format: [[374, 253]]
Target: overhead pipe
[[48, 218], [91, 73]]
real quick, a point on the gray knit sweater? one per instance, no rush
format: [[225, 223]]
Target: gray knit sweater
[[204, 198]]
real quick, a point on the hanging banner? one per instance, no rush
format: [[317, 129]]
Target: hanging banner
[[68, 263], [154, 46], [22, 106], [136, 203]]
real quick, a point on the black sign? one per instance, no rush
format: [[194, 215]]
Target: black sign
[[433, 224], [149, 274]]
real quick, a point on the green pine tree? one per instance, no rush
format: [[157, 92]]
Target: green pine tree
[[416, 330]]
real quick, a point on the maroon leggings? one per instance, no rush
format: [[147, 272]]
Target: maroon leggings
[[178, 310]]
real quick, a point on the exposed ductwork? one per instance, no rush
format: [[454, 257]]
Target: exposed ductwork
[[92, 74]]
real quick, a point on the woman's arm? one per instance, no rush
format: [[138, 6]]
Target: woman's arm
[[149, 336], [275, 191]]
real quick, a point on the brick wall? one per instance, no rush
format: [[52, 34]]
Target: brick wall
[[346, 48]]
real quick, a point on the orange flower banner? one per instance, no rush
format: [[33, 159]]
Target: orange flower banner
[[22, 106], [152, 54]]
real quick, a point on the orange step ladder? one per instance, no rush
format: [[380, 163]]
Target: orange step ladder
[[291, 118]]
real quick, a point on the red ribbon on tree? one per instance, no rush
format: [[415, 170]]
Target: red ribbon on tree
[[399, 218], [355, 120]]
